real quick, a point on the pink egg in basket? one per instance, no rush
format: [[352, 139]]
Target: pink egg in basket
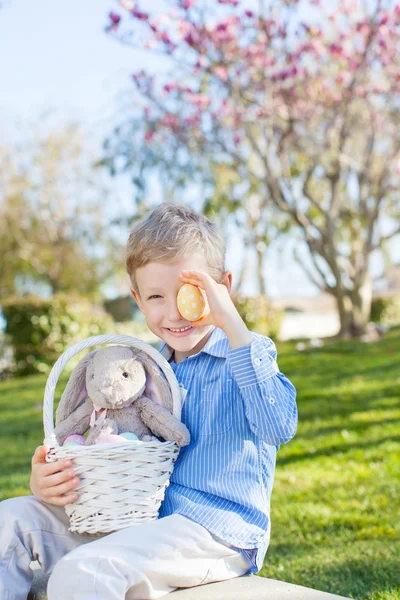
[[110, 439]]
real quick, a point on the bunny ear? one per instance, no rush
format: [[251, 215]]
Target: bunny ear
[[75, 392], [157, 387]]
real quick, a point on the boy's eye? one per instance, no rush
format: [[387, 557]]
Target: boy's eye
[[154, 296]]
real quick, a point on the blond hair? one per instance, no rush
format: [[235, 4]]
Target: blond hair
[[168, 233]]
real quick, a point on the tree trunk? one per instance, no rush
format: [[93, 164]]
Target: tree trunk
[[243, 271], [354, 309], [260, 273]]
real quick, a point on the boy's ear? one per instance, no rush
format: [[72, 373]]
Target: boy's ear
[[227, 280], [136, 297]]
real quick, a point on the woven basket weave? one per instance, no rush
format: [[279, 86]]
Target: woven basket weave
[[121, 484]]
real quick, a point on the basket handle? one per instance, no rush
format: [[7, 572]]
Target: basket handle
[[48, 402]]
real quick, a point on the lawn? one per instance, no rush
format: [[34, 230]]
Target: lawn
[[335, 506]]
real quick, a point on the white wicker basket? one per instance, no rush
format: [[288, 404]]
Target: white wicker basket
[[121, 484]]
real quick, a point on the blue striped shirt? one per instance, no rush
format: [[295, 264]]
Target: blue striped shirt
[[239, 408]]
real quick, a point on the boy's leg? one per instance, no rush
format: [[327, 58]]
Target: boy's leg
[[31, 530], [146, 561]]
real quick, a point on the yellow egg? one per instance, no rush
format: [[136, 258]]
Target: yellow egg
[[191, 302]]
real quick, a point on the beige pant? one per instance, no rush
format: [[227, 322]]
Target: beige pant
[[142, 562]]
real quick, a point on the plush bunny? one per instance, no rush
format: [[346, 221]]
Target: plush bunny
[[118, 389]]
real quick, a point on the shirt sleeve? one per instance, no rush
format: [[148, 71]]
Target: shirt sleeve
[[269, 397]]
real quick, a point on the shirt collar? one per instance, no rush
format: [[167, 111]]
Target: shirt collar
[[216, 345]]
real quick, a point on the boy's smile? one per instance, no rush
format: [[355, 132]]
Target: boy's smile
[[158, 285]]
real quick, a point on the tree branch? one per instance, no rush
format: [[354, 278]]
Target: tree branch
[[324, 286]]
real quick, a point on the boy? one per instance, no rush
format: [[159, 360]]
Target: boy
[[214, 522]]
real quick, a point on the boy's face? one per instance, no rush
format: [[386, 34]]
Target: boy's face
[[158, 285]]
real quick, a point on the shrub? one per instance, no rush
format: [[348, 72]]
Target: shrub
[[259, 315], [40, 329], [6, 357], [386, 311]]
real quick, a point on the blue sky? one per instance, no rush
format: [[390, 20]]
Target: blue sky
[[56, 56]]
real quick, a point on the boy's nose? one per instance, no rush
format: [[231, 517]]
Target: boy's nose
[[173, 312]]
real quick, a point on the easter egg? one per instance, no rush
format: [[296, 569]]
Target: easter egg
[[191, 302], [71, 444], [110, 439], [128, 435], [76, 439]]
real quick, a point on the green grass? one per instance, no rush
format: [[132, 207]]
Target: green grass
[[336, 500]]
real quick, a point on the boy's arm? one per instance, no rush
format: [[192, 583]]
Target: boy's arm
[[269, 397]]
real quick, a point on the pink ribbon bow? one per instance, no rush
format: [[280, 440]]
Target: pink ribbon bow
[[100, 418]]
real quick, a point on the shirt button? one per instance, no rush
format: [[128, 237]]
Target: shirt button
[[257, 361], [272, 400]]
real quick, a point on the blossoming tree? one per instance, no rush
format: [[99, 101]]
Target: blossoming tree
[[293, 109]]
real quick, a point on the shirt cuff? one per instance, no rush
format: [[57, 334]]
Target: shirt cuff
[[251, 364]]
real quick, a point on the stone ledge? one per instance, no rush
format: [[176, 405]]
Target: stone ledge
[[244, 588]]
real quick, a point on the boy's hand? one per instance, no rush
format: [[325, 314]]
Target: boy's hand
[[52, 482], [220, 310]]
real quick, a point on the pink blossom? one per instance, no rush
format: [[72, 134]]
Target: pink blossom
[[237, 139], [184, 26], [222, 37], [261, 113], [340, 79], [200, 100], [225, 110], [115, 19], [169, 121], [221, 72], [139, 15], [137, 77], [253, 52], [149, 135], [168, 87], [269, 62], [359, 91], [186, 4], [192, 38], [164, 37], [150, 44], [192, 121], [363, 27], [352, 64], [384, 31], [336, 96], [230, 2], [336, 48], [249, 13], [285, 74]]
